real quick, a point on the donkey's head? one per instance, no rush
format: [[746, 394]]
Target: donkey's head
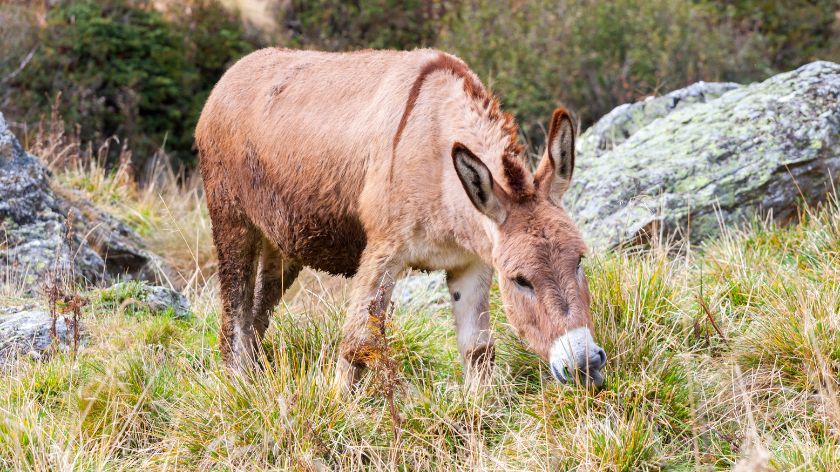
[[537, 252]]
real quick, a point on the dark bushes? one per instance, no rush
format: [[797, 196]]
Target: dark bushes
[[795, 31], [122, 68], [594, 55], [338, 25]]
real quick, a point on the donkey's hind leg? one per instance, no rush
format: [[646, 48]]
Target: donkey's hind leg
[[237, 245], [274, 276]]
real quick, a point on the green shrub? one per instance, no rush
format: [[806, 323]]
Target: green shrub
[[119, 70], [340, 25], [594, 55], [122, 69], [796, 31]]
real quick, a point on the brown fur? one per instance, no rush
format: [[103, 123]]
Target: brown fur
[[299, 155]]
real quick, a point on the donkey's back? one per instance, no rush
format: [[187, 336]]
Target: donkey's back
[[288, 140]]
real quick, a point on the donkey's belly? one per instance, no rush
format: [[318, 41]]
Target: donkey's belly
[[310, 228], [331, 243]]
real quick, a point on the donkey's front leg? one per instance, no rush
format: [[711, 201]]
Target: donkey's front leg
[[470, 290], [378, 269]]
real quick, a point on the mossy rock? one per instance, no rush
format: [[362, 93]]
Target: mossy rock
[[48, 231], [689, 169]]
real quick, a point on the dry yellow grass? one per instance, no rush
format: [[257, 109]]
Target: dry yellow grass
[[760, 392]]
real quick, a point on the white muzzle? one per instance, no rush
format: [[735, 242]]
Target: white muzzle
[[576, 352]]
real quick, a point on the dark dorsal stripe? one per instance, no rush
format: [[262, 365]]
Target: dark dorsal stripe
[[514, 171]]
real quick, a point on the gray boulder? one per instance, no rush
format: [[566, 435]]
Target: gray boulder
[[619, 124], [34, 220], [687, 167], [161, 299], [28, 333]]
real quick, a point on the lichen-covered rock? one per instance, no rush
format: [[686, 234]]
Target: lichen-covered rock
[[34, 238], [136, 297], [616, 126], [32, 224], [760, 148], [28, 333]]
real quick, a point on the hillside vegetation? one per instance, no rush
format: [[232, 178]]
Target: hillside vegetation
[[721, 355], [141, 69]]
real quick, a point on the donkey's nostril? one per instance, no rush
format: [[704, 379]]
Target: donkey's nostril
[[559, 373], [575, 355], [602, 358]]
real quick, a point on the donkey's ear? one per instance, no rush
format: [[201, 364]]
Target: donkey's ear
[[554, 173], [478, 182]]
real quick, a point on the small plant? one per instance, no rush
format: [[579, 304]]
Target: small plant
[[127, 298], [379, 355], [60, 300]]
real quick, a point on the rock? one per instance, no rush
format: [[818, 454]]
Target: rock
[[421, 290], [34, 239], [28, 333], [616, 126], [10, 310], [160, 299], [760, 148], [139, 297]]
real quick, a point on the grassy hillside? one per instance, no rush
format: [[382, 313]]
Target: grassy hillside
[[721, 355]]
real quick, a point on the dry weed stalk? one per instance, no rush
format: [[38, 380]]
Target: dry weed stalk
[[701, 300], [711, 318], [51, 141], [379, 356], [60, 299], [825, 380], [63, 151]]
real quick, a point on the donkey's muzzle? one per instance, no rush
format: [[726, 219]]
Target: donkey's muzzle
[[575, 357]]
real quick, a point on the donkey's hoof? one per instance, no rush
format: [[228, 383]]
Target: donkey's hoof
[[479, 366], [348, 375]]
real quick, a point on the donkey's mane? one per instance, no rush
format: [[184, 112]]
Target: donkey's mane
[[512, 167]]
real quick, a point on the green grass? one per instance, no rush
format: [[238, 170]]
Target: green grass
[[149, 392]]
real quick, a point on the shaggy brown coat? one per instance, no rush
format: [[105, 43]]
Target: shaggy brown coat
[[365, 164]]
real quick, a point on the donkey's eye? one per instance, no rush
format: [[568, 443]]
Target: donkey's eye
[[522, 282]]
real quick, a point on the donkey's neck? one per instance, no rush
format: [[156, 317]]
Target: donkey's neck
[[460, 113]]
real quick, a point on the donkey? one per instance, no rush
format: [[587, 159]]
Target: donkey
[[366, 164]]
